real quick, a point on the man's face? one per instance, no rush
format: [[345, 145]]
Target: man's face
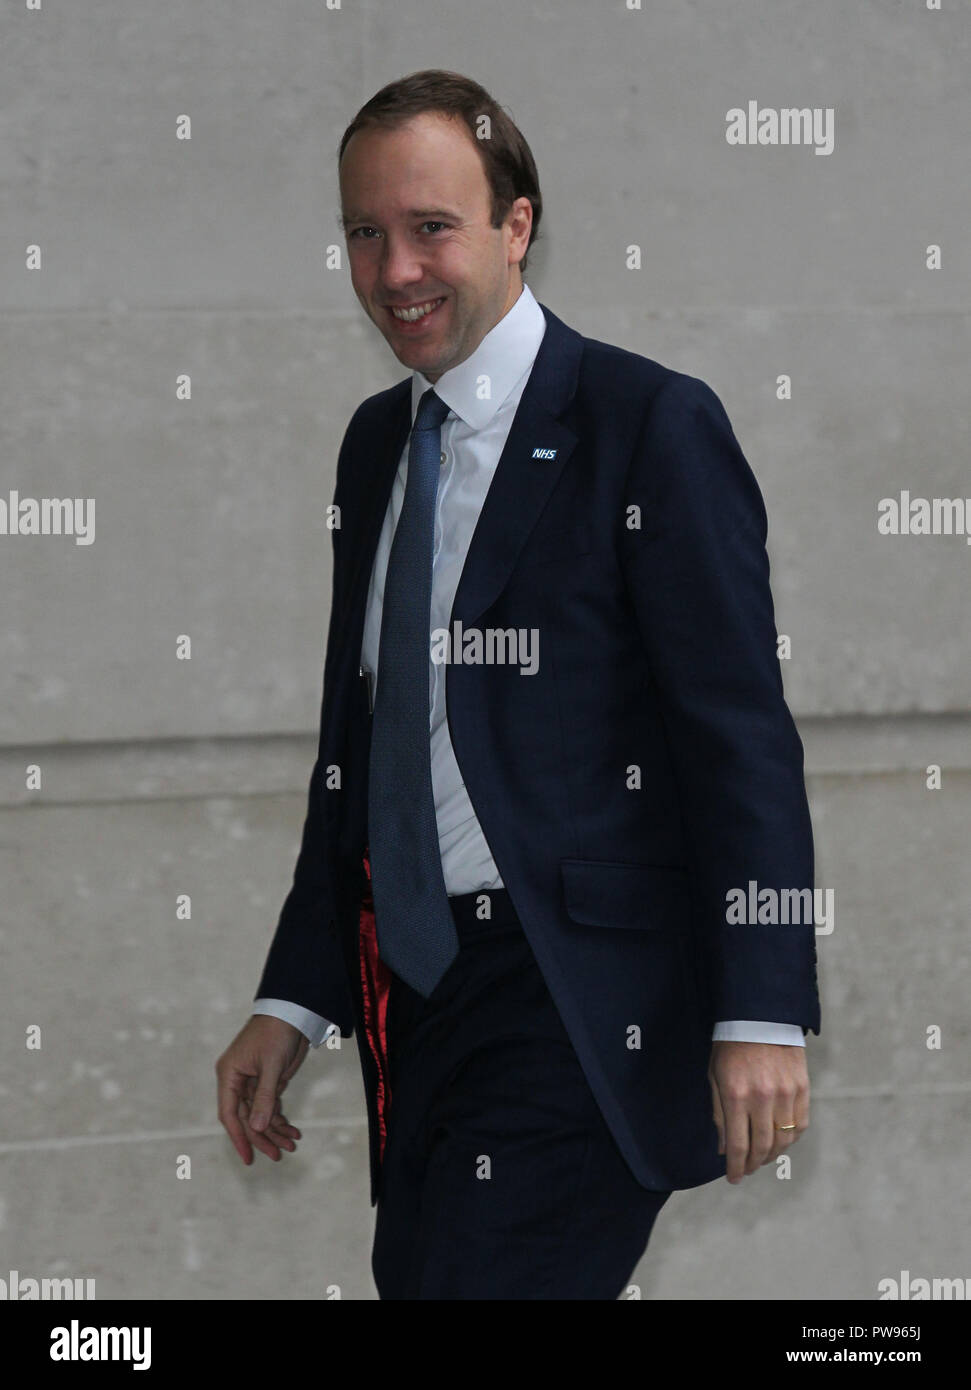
[[415, 204]]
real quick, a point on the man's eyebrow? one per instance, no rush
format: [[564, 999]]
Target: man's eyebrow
[[448, 214]]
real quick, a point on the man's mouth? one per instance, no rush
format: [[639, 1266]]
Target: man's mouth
[[411, 313]]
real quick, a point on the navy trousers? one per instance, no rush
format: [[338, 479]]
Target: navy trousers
[[500, 1179]]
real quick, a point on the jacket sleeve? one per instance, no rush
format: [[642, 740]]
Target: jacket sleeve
[[698, 578], [305, 963]]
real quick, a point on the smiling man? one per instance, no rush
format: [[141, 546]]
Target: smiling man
[[427, 264], [512, 883]]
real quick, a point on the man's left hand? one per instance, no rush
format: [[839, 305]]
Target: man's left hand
[[754, 1087]]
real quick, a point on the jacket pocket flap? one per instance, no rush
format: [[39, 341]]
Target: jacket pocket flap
[[605, 893]]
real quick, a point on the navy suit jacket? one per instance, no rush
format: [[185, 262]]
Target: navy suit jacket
[[648, 768]]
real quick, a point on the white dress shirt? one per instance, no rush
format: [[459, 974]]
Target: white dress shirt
[[482, 394]]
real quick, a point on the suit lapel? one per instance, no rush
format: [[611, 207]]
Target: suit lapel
[[378, 466], [538, 446], [376, 462]]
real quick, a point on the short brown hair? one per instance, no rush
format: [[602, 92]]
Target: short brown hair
[[508, 162]]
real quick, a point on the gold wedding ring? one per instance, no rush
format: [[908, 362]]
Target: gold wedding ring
[[792, 1126]]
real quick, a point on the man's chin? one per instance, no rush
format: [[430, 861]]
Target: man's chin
[[417, 357]]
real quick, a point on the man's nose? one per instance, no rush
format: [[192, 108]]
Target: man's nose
[[400, 265]]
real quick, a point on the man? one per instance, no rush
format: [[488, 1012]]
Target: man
[[554, 746]]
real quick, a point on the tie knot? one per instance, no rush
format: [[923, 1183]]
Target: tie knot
[[431, 411]]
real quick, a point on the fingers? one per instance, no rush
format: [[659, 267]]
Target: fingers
[[730, 1112], [792, 1107], [277, 1133], [250, 1079], [718, 1114], [285, 1127], [266, 1094], [229, 1104], [762, 1110], [800, 1110], [275, 1136], [737, 1137], [769, 1105], [756, 1087]]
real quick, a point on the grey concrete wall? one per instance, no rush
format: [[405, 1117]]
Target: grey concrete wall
[[162, 777]]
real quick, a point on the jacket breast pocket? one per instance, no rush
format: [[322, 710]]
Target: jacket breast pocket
[[608, 893]]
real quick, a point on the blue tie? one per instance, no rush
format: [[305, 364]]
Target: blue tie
[[415, 928]]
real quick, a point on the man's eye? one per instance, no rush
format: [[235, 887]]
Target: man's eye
[[363, 233]]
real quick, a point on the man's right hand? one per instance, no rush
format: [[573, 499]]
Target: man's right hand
[[253, 1073]]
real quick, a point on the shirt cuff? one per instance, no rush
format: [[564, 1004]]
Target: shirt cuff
[[316, 1029], [751, 1030]]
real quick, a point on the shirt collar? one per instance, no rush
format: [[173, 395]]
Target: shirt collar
[[506, 352]]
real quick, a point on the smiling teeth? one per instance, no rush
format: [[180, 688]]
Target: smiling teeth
[[417, 311]]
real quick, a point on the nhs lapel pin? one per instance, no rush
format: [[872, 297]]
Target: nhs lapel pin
[[544, 453]]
